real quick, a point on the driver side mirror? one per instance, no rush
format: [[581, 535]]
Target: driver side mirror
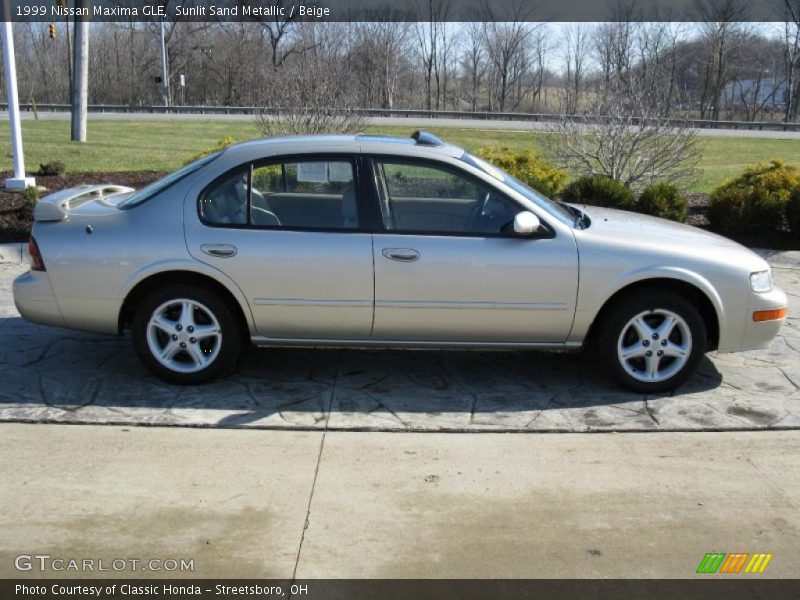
[[526, 223]]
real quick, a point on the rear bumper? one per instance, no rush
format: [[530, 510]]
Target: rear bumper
[[34, 299], [759, 334]]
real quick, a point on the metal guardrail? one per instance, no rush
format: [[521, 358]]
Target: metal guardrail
[[404, 113]]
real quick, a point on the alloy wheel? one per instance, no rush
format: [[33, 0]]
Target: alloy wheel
[[184, 335]]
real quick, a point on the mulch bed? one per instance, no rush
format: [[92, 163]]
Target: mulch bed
[[16, 215]]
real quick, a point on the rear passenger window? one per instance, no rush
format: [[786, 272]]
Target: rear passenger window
[[310, 194], [304, 194]]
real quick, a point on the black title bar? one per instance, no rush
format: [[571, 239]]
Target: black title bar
[[390, 10]]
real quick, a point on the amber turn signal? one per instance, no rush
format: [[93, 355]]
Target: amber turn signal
[[769, 315]]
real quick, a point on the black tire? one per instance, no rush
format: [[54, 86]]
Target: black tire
[[658, 304], [225, 351]]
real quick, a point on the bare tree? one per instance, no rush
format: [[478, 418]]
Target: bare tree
[[473, 63], [724, 33], [791, 56], [506, 46], [429, 35], [576, 49], [626, 136], [316, 97]]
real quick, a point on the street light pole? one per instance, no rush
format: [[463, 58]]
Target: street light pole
[[18, 181]]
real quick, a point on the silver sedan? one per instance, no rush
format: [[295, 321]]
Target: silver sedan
[[389, 242]]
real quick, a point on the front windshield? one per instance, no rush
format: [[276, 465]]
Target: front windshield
[[557, 209], [150, 190]]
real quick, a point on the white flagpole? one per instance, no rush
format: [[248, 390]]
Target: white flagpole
[[18, 181]]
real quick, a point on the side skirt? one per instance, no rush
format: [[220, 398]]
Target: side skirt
[[415, 344]]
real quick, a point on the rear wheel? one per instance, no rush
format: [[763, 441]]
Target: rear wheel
[[186, 334], [653, 341]]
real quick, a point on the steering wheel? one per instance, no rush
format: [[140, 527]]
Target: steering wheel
[[478, 211]]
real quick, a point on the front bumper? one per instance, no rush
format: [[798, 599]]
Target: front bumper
[[35, 301], [759, 334]]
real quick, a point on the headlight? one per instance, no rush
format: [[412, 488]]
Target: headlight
[[761, 282]]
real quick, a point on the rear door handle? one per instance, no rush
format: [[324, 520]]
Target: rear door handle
[[401, 254], [219, 250]]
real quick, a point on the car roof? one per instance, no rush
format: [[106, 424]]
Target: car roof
[[423, 144]]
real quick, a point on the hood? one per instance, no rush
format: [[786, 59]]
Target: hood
[[621, 227]]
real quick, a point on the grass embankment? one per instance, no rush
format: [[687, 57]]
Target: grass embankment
[[165, 145]]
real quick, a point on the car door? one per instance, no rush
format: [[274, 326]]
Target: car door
[[287, 232], [447, 269]]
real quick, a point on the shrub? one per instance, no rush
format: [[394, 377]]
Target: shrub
[[663, 200], [54, 168], [793, 212], [220, 145], [31, 195], [599, 190], [528, 167], [757, 201]]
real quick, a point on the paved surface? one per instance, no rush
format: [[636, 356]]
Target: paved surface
[[346, 504], [411, 122], [55, 375]]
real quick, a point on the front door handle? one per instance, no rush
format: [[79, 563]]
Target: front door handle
[[219, 250], [401, 254]]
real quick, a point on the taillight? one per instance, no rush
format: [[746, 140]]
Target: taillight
[[37, 264]]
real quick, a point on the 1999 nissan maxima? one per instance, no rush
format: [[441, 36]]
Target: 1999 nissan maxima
[[390, 242]]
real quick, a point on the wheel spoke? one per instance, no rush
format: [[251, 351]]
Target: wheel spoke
[[633, 351], [651, 366], [164, 324], [169, 351], [196, 354], [643, 330], [187, 314], [665, 329], [676, 350], [205, 331]]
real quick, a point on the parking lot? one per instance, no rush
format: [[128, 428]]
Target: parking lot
[[54, 375]]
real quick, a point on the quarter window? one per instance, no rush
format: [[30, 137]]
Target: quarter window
[[425, 198]]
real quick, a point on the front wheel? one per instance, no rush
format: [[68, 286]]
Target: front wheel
[[653, 342], [185, 334]]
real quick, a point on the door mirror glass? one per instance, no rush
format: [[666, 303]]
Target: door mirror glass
[[526, 223]]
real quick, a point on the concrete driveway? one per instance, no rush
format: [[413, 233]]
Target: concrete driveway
[[316, 504], [53, 375]]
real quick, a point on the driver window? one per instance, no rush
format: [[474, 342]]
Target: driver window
[[425, 198]]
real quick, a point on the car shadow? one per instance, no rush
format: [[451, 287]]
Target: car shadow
[[73, 371]]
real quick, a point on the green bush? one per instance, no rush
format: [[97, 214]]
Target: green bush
[[31, 195], [220, 145], [599, 190], [528, 167], [793, 212], [663, 200], [725, 211], [757, 201], [54, 168]]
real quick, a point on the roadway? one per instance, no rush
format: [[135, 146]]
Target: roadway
[[410, 122]]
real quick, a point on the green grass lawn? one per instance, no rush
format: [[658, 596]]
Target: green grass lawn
[[165, 145]]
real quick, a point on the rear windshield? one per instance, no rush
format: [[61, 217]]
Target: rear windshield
[[148, 191]]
